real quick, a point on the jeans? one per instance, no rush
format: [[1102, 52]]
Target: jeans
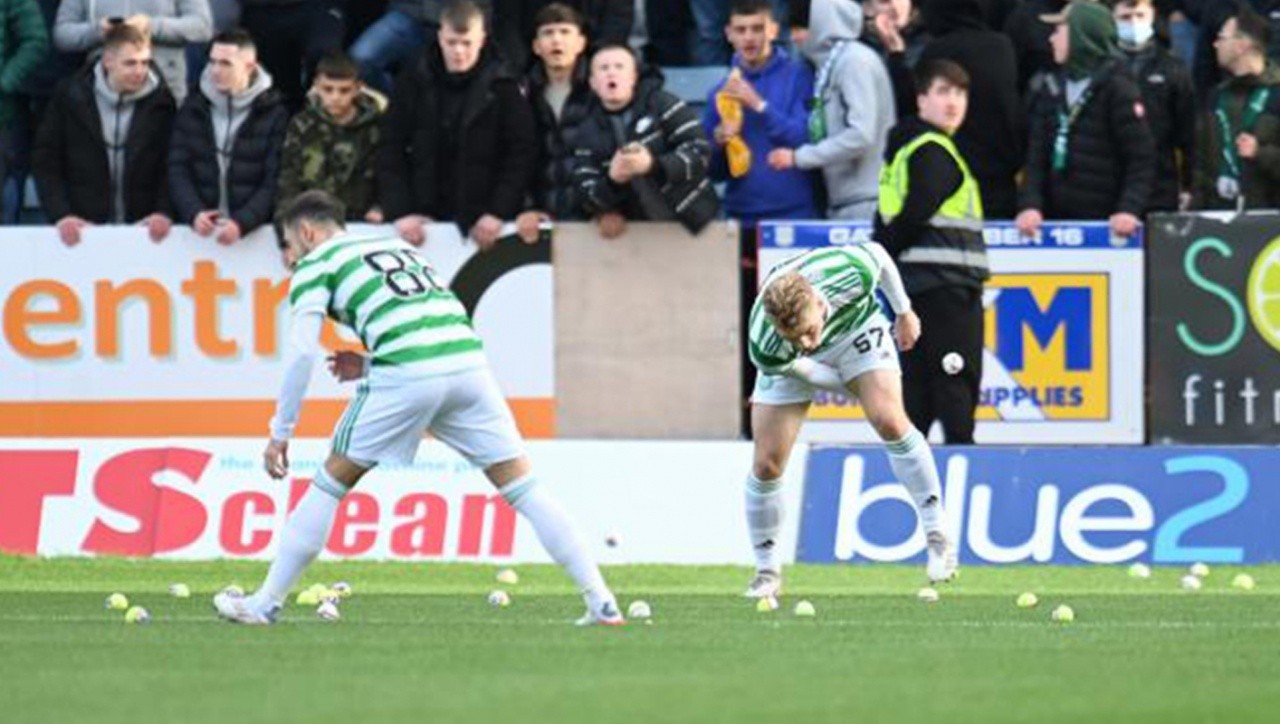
[[389, 42]]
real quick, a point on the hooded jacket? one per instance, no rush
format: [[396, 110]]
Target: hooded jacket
[[320, 153], [857, 101], [670, 130], [763, 193], [992, 137], [24, 45], [174, 24], [102, 156], [1110, 160], [496, 148], [225, 152]]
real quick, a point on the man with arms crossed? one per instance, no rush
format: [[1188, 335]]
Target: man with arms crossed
[[816, 324], [426, 371]]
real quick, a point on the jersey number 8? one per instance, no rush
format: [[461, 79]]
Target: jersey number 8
[[404, 272]]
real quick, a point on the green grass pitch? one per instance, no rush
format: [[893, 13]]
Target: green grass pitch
[[418, 643]]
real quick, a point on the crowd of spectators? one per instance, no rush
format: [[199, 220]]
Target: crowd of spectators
[[208, 113]]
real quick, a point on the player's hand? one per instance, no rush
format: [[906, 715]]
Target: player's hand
[[527, 226], [346, 366], [69, 228], [413, 228], [229, 233], [205, 222], [906, 330], [486, 231], [612, 224], [1124, 224], [1029, 222], [158, 226], [276, 458], [781, 159]]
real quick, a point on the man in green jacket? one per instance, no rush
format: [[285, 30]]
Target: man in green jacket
[[24, 43]]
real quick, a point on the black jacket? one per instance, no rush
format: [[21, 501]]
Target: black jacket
[[672, 132], [1111, 156], [608, 21], [496, 148], [1169, 98], [991, 138], [253, 168], [69, 158], [1030, 38], [932, 177], [553, 189]]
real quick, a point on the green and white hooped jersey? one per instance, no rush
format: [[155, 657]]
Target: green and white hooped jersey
[[845, 276], [382, 289]]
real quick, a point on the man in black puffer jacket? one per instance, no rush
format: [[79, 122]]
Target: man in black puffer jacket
[[557, 89], [458, 139], [641, 153], [100, 153], [1091, 154], [225, 155]]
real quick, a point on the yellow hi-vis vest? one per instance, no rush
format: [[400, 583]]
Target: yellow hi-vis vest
[[962, 211]]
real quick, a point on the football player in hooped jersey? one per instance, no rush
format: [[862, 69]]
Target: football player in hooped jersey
[[426, 370], [817, 325]]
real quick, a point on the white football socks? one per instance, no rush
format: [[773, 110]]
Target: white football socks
[[912, 461], [559, 536], [765, 511], [302, 539]]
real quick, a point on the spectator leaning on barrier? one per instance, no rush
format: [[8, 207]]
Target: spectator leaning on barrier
[[100, 154], [642, 155], [224, 160], [82, 24], [852, 111], [24, 43], [993, 135], [1238, 157], [1091, 155], [332, 143], [930, 221], [458, 141], [1169, 99], [769, 92], [557, 88]]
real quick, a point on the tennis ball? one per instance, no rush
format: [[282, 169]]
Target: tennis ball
[[116, 602], [1199, 570], [1243, 581], [1191, 583], [500, 599], [1139, 570], [508, 577], [308, 598], [179, 590], [805, 609], [767, 604], [1028, 600], [927, 595], [1063, 614], [328, 611], [137, 614], [639, 610]]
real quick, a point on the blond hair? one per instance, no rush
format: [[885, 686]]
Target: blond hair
[[786, 298]]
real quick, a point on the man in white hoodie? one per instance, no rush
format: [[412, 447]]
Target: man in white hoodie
[[853, 110], [224, 158], [100, 152]]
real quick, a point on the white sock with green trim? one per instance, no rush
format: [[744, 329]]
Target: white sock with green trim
[[912, 461], [559, 536], [302, 539], [765, 512]]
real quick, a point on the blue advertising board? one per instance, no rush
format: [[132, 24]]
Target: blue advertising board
[[1050, 505]]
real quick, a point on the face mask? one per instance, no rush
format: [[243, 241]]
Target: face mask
[[1135, 34]]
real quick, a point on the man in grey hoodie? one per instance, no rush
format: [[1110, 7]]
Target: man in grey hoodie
[[852, 112], [81, 26], [225, 154], [100, 152]]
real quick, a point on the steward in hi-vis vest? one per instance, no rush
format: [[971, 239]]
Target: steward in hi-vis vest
[[930, 220]]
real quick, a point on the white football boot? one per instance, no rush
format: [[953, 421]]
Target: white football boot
[[942, 562], [606, 614], [239, 609], [766, 584]]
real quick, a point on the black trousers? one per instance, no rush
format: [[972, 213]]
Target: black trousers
[[291, 38], [951, 321]]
